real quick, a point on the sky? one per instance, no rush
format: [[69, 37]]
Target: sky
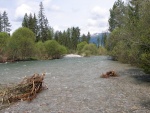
[[89, 15]]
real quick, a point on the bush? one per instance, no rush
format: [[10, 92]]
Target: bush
[[40, 50], [80, 46], [102, 51], [3, 42], [145, 62], [90, 49], [54, 50], [21, 44]]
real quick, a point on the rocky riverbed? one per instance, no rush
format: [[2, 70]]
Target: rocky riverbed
[[79, 89]]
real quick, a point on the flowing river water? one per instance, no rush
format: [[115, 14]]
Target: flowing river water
[[13, 72], [74, 86]]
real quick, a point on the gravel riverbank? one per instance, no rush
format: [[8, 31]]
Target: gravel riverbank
[[83, 91]]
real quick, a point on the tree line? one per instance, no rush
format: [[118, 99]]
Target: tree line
[[129, 39], [37, 40]]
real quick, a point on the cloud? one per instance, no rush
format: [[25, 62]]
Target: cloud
[[49, 6], [98, 20], [55, 8], [98, 12], [46, 3], [21, 10]]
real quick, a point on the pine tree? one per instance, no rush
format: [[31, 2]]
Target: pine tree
[[42, 24], [31, 22], [6, 24], [1, 23], [83, 38], [25, 22], [35, 25], [88, 37], [75, 38]]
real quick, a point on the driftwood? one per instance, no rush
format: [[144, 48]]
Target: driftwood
[[26, 90], [109, 74]]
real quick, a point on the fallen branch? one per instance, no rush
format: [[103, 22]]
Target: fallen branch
[[109, 74], [26, 90]]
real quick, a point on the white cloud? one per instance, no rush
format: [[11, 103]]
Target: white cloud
[[98, 20], [21, 10], [46, 3], [55, 8], [91, 22]]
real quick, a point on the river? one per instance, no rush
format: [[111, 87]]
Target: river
[[74, 86], [13, 72]]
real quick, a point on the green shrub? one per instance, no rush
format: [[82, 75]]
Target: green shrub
[[80, 46], [54, 49], [102, 51], [40, 50], [3, 42], [145, 62], [21, 44], [90, 49]]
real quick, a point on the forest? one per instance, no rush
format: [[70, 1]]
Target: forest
[[128, 40]]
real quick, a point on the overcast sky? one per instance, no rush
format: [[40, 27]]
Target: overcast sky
[[88, 15]]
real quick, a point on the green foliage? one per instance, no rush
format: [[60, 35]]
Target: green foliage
[[4, 23], [90, 49], [54, 50], [40, 50], [4, 37], [21, 44], [145, 62], [116, 15], [80, 46], [102, 51], [130, 43], [85, 38]]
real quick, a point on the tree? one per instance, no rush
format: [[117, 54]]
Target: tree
[[144, 39], [88, 37], [75, 37], [21, 45], [130, 43], [104, 38], [6, 24], [116, 15], [42, 24], [31, 23], [1, 23], [98, 41], [35, 25], [84, 38], [25, 22]]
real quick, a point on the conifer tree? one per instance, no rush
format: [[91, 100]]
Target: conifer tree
[[75, 38], [6, 24], [1, 23], [88, 37], [42, 24], [25, 22]]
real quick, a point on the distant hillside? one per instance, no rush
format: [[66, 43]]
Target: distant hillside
[[94, 38]]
